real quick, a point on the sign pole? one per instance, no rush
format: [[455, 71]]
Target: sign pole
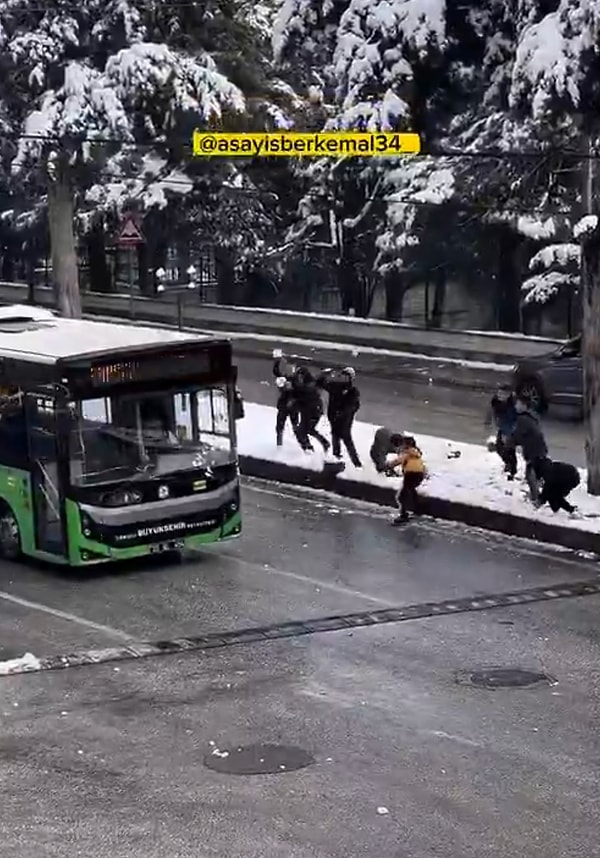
[[130, 237], [131, 300]]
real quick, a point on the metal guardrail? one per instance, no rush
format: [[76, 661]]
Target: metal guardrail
[[370, 333]]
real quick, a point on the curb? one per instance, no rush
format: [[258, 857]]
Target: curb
[[446, 510]]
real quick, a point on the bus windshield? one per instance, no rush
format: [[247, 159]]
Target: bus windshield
[[125, 437]]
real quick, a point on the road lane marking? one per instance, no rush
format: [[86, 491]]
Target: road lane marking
[[304, 579], [116, 634], [440, 734], [301, 628]]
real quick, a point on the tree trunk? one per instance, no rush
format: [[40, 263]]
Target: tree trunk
[[347, 278], [7, 272], [591, 357], [439, 299], [143, 257], [100, 278], [65, 274], [397, 284], [508, 296], [225, 277]]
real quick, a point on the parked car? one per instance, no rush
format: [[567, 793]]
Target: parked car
[[553, 378]]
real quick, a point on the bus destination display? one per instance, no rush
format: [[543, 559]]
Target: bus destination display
[[150, 368]]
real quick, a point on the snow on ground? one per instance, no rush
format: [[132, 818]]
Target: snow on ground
[[20, 665], [475, 477]]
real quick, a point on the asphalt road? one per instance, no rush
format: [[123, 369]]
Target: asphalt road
[[455, 413], [108, 761]]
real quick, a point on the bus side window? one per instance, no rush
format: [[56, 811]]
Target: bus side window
[[213, 417], [96, 410], [13, 439]]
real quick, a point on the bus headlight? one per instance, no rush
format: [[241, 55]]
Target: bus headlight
[[125, 497], [85, 524], [234, 504]]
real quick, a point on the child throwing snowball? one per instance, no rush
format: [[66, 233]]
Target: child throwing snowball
[[414, 471]]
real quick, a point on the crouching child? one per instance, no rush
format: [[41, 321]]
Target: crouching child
[[386, 448], [558, 480], [414, 472]]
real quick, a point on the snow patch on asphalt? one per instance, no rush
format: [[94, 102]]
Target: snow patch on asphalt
[[20, 665]]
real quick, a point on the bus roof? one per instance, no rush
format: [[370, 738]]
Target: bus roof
[[38, 335]]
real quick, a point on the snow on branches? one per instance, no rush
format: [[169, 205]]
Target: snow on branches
[[552, 67], [542, 288], [83, 108], [147, 73], [129, 176], [585, 226], [376, 42], [409, 186], [557, 267], [104, 94], [556, 254]]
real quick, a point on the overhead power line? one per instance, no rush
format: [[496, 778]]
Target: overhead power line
[[330, 199]]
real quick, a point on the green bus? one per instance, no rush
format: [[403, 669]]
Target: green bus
[[116, 441]]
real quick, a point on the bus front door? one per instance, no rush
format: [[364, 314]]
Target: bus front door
[[43, 455]]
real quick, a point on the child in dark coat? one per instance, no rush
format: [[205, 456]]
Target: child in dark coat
[[558, 480], [386, 447], [528, 435], [503, 413]]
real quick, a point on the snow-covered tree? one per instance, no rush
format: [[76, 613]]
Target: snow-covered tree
[[78, 82], [556, 78], [556, 268], [380, 64], [234, 206]]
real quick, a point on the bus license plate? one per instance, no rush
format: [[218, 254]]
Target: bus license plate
[[166, 546]]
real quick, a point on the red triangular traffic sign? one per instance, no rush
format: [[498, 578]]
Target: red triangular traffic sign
[[130, 232]]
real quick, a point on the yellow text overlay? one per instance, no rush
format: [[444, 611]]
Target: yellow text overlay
[[335, 145]]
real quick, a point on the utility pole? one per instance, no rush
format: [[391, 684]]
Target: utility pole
[[588, 177], [590, 349]]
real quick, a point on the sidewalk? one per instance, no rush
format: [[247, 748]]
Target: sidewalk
[[467, 483]]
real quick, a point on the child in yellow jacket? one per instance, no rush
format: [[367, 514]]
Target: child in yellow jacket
[[413, 472]]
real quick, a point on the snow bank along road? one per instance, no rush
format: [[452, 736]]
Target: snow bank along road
[[108, 759], [466, 482], [431, 410]]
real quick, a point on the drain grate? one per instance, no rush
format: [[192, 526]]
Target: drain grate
[[503, 677], [258, 760]]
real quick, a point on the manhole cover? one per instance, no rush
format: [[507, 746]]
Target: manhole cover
[[504, 677], [258, 760]]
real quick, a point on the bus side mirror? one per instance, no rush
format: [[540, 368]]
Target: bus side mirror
[[238, 406]]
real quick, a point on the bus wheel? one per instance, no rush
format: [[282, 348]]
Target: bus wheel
[[10, 537]]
